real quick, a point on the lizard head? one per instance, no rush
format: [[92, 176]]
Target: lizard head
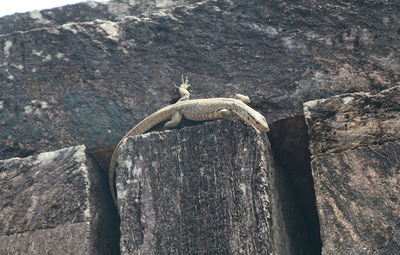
[[258, 121], [249, 115], [252, 117]]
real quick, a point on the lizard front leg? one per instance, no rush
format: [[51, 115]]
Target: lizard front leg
[[227, 115], [243, 98], [175, 120]]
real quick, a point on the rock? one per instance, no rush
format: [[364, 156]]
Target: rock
[[55, 202], [353, 120], [207, 189], [73, 238], [355, 146], [80, 12], [86, 73], [88, 82]]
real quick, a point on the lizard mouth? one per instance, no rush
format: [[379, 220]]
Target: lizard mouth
[[263, 126]]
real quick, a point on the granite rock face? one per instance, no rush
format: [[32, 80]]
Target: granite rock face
[[81, 12], [86, 73], [88, 82], [206, 189], [355, 145], [353, 120], [55, 202]]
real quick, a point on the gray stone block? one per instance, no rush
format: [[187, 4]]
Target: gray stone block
[[207, 189], [356, 169], [55, 203], [203, 189]]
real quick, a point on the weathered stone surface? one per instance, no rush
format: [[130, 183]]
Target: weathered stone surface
[[207, 189], [85, 74], [81, 12], [55, 202], [72, 238], [352, 120], [358, 194], [90, 82], [356, 168]]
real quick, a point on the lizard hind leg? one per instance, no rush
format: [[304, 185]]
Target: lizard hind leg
[[175, 120]]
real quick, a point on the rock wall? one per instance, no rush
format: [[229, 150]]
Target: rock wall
[[354, 142], [57, 78], [86, 73], [55, 203], [81, 12]]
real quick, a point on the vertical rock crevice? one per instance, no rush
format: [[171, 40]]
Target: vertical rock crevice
[[295, 195]]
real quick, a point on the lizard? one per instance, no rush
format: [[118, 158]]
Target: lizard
[[196, 110]]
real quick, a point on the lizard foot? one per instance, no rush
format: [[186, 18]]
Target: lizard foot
[[185, 94], [185, 83], [243, 98]]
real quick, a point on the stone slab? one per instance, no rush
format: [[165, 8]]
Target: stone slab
[[355, 151], [56, 200], [206, 189], [358, 194], [353, 120]]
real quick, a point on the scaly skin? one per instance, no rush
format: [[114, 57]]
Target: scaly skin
[[197, 110]]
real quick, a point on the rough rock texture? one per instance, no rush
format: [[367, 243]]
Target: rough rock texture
[[55, 202], [81, 12], [353, 120], [86, 73], [73, 238], [90, 82], [206, 189], [355, 148]]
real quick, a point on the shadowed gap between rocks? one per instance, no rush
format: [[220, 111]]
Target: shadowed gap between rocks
[[112, 220], [289, 141]]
